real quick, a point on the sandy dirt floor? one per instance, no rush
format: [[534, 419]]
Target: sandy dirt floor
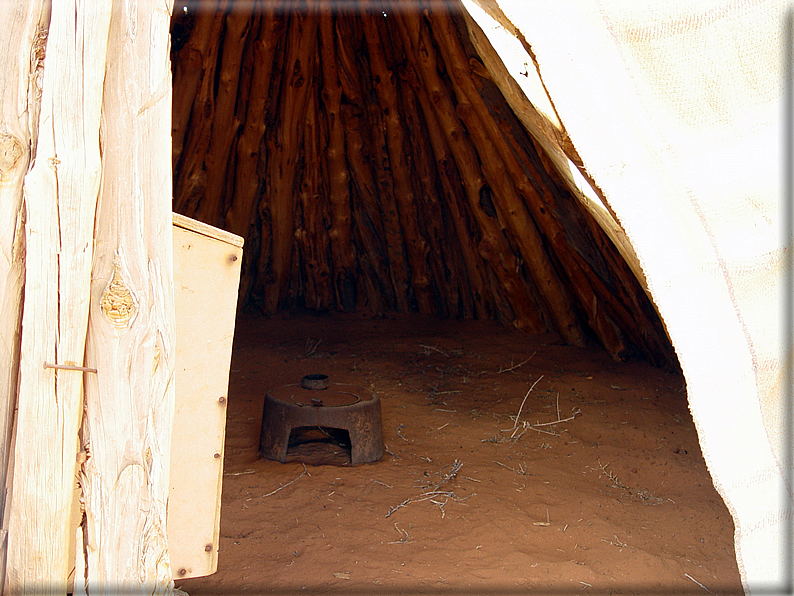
[[615, 499]]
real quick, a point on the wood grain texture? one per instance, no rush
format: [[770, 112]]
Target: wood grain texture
[[129, 405], [60, 200], [21, 46]]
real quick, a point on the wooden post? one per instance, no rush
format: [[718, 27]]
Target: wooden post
[[21, 48], [60, 200], [126, 432]]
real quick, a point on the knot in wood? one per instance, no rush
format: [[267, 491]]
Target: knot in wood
[[117, 302], [10, 153]]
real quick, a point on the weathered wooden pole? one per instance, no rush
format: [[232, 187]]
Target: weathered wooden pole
[[88, 90], [60, 193], [21, 47], [126, 433]]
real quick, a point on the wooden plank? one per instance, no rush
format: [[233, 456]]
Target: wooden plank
[[199, 227], [205, 314], [129, 403], [60, 199]]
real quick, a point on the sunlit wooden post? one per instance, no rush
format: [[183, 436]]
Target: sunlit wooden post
[[85, 182]]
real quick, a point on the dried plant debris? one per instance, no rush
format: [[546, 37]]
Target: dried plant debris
[[643, 495], [435, 493]]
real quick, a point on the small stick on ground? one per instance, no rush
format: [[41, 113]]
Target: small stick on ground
[[283, 486], [698, 583], [521, 470], [399, 434], [515, 426], [615, 482], [403, 533], [575, 413], [512, 368], [400, 506], [311, 346], [435, 349], [390, 452]]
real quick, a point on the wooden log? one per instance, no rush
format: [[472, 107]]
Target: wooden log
[[497, 160], [617, 292], [367, 161], [129, 402], [200, 27], [284, 144], [571, 245], [375, 294], [310, 228], [398, 158], [337, 172], [22, 46], [61, 193], [465, 238], [224, 123], [493, 246], [190, 176], [452, 188], [374, 252], [240, 215], [447, 256]]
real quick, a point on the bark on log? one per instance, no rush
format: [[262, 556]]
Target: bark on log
[[338, 177], [310, 228], [492, 246], [366, 145], [497, 162], [224, 124], [398, 161], [240, 216], [373, 257], [192, 178], [450, 181], [201, 29], [284, 145]]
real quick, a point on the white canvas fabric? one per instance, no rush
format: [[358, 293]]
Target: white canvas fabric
[[677, 111]]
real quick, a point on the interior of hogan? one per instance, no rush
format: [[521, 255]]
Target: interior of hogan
[[372, 165], [405, 233]]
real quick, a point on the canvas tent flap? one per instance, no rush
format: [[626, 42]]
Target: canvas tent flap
[[676, 110]]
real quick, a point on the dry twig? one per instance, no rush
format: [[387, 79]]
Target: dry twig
[[524, 426], [311, 346], [512, 368], [427, 350], [283, 486], [698, 583]]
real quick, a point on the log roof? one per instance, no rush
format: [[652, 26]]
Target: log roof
[[370, 161]]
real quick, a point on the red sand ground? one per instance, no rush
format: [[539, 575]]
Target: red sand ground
[[617, 500]]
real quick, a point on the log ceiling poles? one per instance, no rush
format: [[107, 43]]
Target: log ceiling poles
[[372, 164]]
